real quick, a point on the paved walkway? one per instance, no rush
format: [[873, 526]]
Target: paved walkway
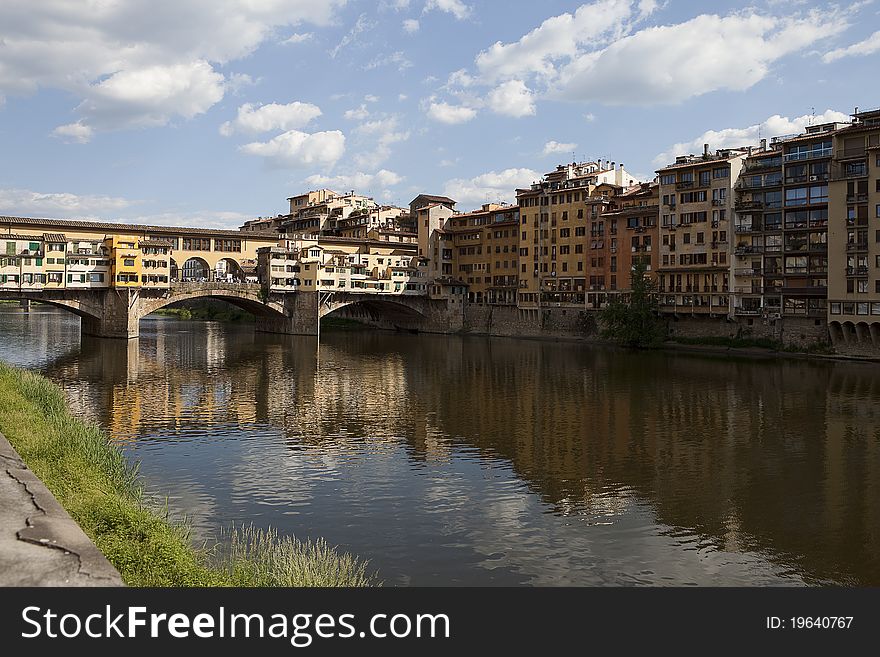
[[40, 544]]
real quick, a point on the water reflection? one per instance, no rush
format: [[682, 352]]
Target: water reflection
[[473, 461]]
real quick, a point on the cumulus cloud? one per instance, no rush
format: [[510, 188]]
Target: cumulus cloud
[[377, 138], [59, 205], [867, 47], [603, 52], [491, 186], [357, 114], [74, 133], [254, 119], [382, 179], [450, 114], [295, 149], [512, 98], [140, 62], [553, 147], [775, 125], [671, 63], [559, 37], [455, 7], [411, 26]]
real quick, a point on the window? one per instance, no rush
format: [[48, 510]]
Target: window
[[128, 262], [721, 172], [227, 245], [10, 248], [196, 244], [669, 178]]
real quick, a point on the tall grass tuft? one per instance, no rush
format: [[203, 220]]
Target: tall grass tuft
[[102, 491], [257, 557]]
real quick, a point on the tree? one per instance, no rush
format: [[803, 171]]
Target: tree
[[632, 320]]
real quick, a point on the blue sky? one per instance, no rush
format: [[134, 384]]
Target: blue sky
[[210, 112]]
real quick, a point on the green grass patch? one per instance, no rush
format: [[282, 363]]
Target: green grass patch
[[101, 490]]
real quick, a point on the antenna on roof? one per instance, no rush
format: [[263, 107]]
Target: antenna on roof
[[812, 115]]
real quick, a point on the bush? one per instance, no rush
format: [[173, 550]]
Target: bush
[[632, 320]]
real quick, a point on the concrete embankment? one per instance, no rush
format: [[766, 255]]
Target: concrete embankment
[[40, 544]]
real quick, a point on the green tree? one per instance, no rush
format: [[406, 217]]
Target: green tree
[[632, 319]]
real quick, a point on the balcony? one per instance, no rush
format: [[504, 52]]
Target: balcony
[[746, 249], [857, 198], [748, 228], [744, 206], [814, 154], [686, 184], [808, 290], [856, 246], [857, 271], [746, 271]]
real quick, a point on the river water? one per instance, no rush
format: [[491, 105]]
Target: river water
[[450, 460]]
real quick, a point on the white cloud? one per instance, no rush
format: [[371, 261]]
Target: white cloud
[[358, 114], [378, 136], [363, 24], [451, 114], [455, 7], [254, 119], [669, 64], [74, 133], [396, 58], [553, 147], [512, 98], [589, 117], [490, 187], [411, 26], [556, 38], [402, 97], [151, 96], [775, 125], [395, 5], [140, 62], [867, 47], [298, 38], [360, 182], [295, 149], [370, 98], [24, 202]]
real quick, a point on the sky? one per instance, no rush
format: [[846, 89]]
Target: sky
[[207, 113]]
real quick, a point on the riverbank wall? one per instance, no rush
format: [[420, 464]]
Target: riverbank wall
[[800, 334]]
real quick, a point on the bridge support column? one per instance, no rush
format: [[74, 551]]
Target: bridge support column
[[301, 310], [25, 305], [119, 316]]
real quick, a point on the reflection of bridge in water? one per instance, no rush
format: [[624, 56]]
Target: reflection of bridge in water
[[777, 458], [116, 313]]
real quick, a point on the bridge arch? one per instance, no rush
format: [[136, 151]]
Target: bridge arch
[[244, 297], [230, 270], [397, 312], [195, 269]]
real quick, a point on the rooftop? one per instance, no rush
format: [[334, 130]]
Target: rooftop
[[8, 222]]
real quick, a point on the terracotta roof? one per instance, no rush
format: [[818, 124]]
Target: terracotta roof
[[130, 228], [55, 238], [156, 243], [432, 197], [15, 236]]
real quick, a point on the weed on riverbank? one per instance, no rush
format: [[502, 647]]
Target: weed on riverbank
[[101, 490]]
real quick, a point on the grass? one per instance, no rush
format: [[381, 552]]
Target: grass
[[207, 312], [102, 491]]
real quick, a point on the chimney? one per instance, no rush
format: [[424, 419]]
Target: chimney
[[763, 144], [705, 150]]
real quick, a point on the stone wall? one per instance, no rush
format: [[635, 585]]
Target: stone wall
[[510, 321]]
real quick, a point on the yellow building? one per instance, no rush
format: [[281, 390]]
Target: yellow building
[[155, 263], [125, 261]]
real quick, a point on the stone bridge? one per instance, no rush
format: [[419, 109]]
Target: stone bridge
[[116, 313]]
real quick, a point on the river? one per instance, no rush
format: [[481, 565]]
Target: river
[[449, 460]]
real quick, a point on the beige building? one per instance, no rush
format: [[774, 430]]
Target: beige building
[[485, 252], [21, 262], [696, 212], [320, 212], [854, 232], [565, 243]]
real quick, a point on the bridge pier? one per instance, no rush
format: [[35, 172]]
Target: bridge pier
[[118, 318], [301, 310]]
